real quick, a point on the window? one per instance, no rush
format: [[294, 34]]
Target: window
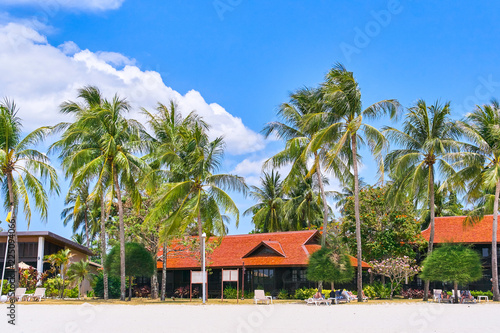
[[298, 275], [486, 252], [263, 278]]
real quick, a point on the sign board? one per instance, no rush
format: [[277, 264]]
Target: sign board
[[230, 275], [197, 277]]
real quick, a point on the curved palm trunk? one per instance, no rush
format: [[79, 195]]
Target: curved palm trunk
[[86, 225], [356, 214], [325, 204], [164, 273], [103, 244], [432, 214], [494, 259], [122, 237], [13, 217]]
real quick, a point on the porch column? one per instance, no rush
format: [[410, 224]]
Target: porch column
[[39, 260]]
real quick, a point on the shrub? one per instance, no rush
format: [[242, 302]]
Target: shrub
[[369, 291], [6, 287], [305, 293], [53, 286], [283, 294], [142, 291], [477, 293], [415, 293], [382, 290], [113, 286], [181, 292], [71, 293], [90, 293]]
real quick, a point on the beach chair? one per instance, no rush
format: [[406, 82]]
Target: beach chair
[[436, 297], [340, 297], [365, 298], [19, 294], [38, 295], [260, 296], [467, 297], [351, 296]]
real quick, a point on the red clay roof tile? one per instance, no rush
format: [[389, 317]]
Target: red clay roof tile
[[452, 229]]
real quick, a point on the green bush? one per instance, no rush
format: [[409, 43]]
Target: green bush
[[71, 293], [381, 290], [53, 286], [6, 287], [369, 291], [477, 293], [305, 293], [283, 294], [230, 293], [113, 286], [90, 293]]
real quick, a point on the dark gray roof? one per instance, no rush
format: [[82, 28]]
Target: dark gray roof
[[56, 239]]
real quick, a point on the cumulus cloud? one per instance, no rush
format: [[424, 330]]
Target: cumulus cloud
[[54, 5], [39, 76]]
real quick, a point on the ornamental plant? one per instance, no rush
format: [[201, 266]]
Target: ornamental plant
[[396, 269]]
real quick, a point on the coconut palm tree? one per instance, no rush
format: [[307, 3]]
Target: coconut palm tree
[[79, 213], [269, 212], [79, 271], [425, 145], [109, 159], [481, 171], [298, 134], [345, 129], [23, 170]]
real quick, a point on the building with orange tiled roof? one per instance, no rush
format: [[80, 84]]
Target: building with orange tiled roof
[[453, 229], [273, 261]]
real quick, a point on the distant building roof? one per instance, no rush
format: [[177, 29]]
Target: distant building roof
[[453, 229], [53, 238], [279, 249]]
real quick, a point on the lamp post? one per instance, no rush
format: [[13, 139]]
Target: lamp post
[[243, 282], [203, 288]]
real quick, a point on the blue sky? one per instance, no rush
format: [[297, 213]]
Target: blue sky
[[237, 60]]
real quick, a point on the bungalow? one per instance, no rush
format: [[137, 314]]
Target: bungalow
[[453, 229], [272, 261], [34, 245]]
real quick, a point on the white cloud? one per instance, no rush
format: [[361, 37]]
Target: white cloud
[[39, 76], [51, 6]]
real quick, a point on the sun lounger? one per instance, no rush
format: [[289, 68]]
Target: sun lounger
[[260, 296], [467, 297], [436, 297], [19, 294], [38, 295], [340, 297], [318, 301]]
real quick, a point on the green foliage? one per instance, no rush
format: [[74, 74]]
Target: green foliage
[[90, 293], [138, 261], [71, 293], [113, 286], [370, 291], [477, 293], [382, 290], [54, 285], [6, 287], [230, 293], [385, 231], [325, 265], [305, 293], [455, 263], [283, 294]]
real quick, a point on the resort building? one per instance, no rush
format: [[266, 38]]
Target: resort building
[[271, 261], [453, 229], [34, 245]]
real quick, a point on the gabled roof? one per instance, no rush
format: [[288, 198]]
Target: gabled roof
[[289, 249], [452, 229]]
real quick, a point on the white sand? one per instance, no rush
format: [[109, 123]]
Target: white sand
[[414, 317]]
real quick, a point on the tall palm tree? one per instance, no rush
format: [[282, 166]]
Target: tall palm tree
[[425, 145], [110, 158], [345, 129], [269, 212], [23, 170], [298, 134], [481, 170], [79, 213], [196, 193]]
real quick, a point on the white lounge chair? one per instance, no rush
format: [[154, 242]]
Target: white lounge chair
[[319, 301], [260, 296], [436, 297], [38, 295], [19, 294]]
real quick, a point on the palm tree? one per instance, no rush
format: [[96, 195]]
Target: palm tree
[[269, 212], [196, 193], [481, 171], [60, 261], [298, 135], [80, 211], [109, 159], [23, 170], [343, 131], [79, 271], [425, 144]]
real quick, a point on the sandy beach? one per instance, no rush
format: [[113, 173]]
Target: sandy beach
[[406, 317]]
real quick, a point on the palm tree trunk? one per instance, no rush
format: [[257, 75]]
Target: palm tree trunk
[[103, 244], [200, 233], [432, 214], [129, 288], [13, 218], [86, 225], [325, 204], [494, 258], [164, 273], [356, 214], [455, 287], [154, 285], [122, 236]]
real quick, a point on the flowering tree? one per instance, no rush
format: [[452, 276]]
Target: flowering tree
[[396, 269]]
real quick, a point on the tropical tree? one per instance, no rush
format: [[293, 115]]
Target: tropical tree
[[60, 262], [454, 263], [79, 271], [269, 212], [345, 129], [99, 146], [23, 171], [329, 266], [298, 135], [481, 171], [425, 145], [139, 262]]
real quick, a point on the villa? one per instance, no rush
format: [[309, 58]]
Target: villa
[[272, 261]]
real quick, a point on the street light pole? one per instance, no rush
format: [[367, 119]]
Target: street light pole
[[243, 287], [204, 291]]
